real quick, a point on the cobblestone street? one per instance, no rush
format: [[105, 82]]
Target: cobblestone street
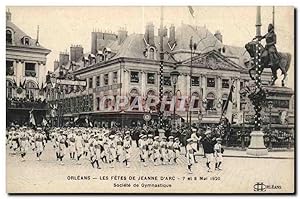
[[238, 175]]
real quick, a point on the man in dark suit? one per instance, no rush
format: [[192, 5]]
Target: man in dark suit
[[208, 146]]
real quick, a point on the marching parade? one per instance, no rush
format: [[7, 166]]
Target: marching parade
[[184, 97], [113, 146]]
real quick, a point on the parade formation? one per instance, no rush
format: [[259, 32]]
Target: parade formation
[[113, 146], [175, 100]]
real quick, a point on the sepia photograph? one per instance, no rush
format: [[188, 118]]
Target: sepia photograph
[[150, 99]]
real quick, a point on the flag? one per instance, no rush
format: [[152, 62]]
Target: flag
[[22, 85], [15, 83], [44, 122], [31, 118], [283, 117], [191, 11], [42, 87], [76, 118], [227, 110]]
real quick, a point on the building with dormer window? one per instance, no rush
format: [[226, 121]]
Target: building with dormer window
[[129, 65], [25, 73]]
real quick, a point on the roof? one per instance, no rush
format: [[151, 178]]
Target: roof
[[214, 60], [236, 54], [134, 46], [18, 35]]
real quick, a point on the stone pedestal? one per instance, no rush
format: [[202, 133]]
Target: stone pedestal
[[257, 146]]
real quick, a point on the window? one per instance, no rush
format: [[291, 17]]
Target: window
[[211, 82], [151, 53], [167, 81], [105, 77], [31, 90], [91, 82], [195, 81], [241, 84], [210, 101], [151, 78], [134, 77], [30, 69], [98, 103], [225, 83], [133, 94], [98, 81], [9, 89], [9, 67], [26, 41], [8, 37], [169, 96], [151, 93], [224, 100], [196, 98], [115, 77]]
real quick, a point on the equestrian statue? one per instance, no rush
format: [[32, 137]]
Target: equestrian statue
[[270, 57]]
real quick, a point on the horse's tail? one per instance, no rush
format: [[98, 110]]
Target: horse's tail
[[287, 63]]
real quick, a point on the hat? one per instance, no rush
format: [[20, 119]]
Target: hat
[[144, 136], [141, 135], [111, 136], [176, 139], [150, 135], [219, 139], [127, 136], [208, 131], [171, 137], [189, 140], [164, 137], [156, 137], [127, 132]]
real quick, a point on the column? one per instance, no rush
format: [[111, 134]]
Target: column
[[142, 82], [19, 71], [237, 91], [204, 86], [126, 82]]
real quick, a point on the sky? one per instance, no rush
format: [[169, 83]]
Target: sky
[[60, 27]]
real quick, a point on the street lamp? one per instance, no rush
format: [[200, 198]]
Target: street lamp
[[193, 48], [174, 78]]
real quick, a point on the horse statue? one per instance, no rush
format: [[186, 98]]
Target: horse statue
[[283, 63]]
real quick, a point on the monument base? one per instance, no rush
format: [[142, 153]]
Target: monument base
[[257, 146]]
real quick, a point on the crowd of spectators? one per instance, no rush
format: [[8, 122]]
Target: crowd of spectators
[[18, 102]]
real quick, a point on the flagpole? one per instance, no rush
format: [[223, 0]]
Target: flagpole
[[161, 68], [273, 17], [227, 101]]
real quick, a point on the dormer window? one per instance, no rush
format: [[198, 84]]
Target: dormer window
[[9, 36], [26, 41], [151, 53]]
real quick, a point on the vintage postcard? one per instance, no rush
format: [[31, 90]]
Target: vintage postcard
[[166, 99]]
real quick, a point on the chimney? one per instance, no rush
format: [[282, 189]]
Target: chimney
[[8, 15], [219, 36], [76, 53], [122, 34], [94, 43], [149, 34], [172, 34], [63, 58], [56, 65], [99, 40]]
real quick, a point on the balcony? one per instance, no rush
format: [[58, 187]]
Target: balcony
[[25, 103]]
